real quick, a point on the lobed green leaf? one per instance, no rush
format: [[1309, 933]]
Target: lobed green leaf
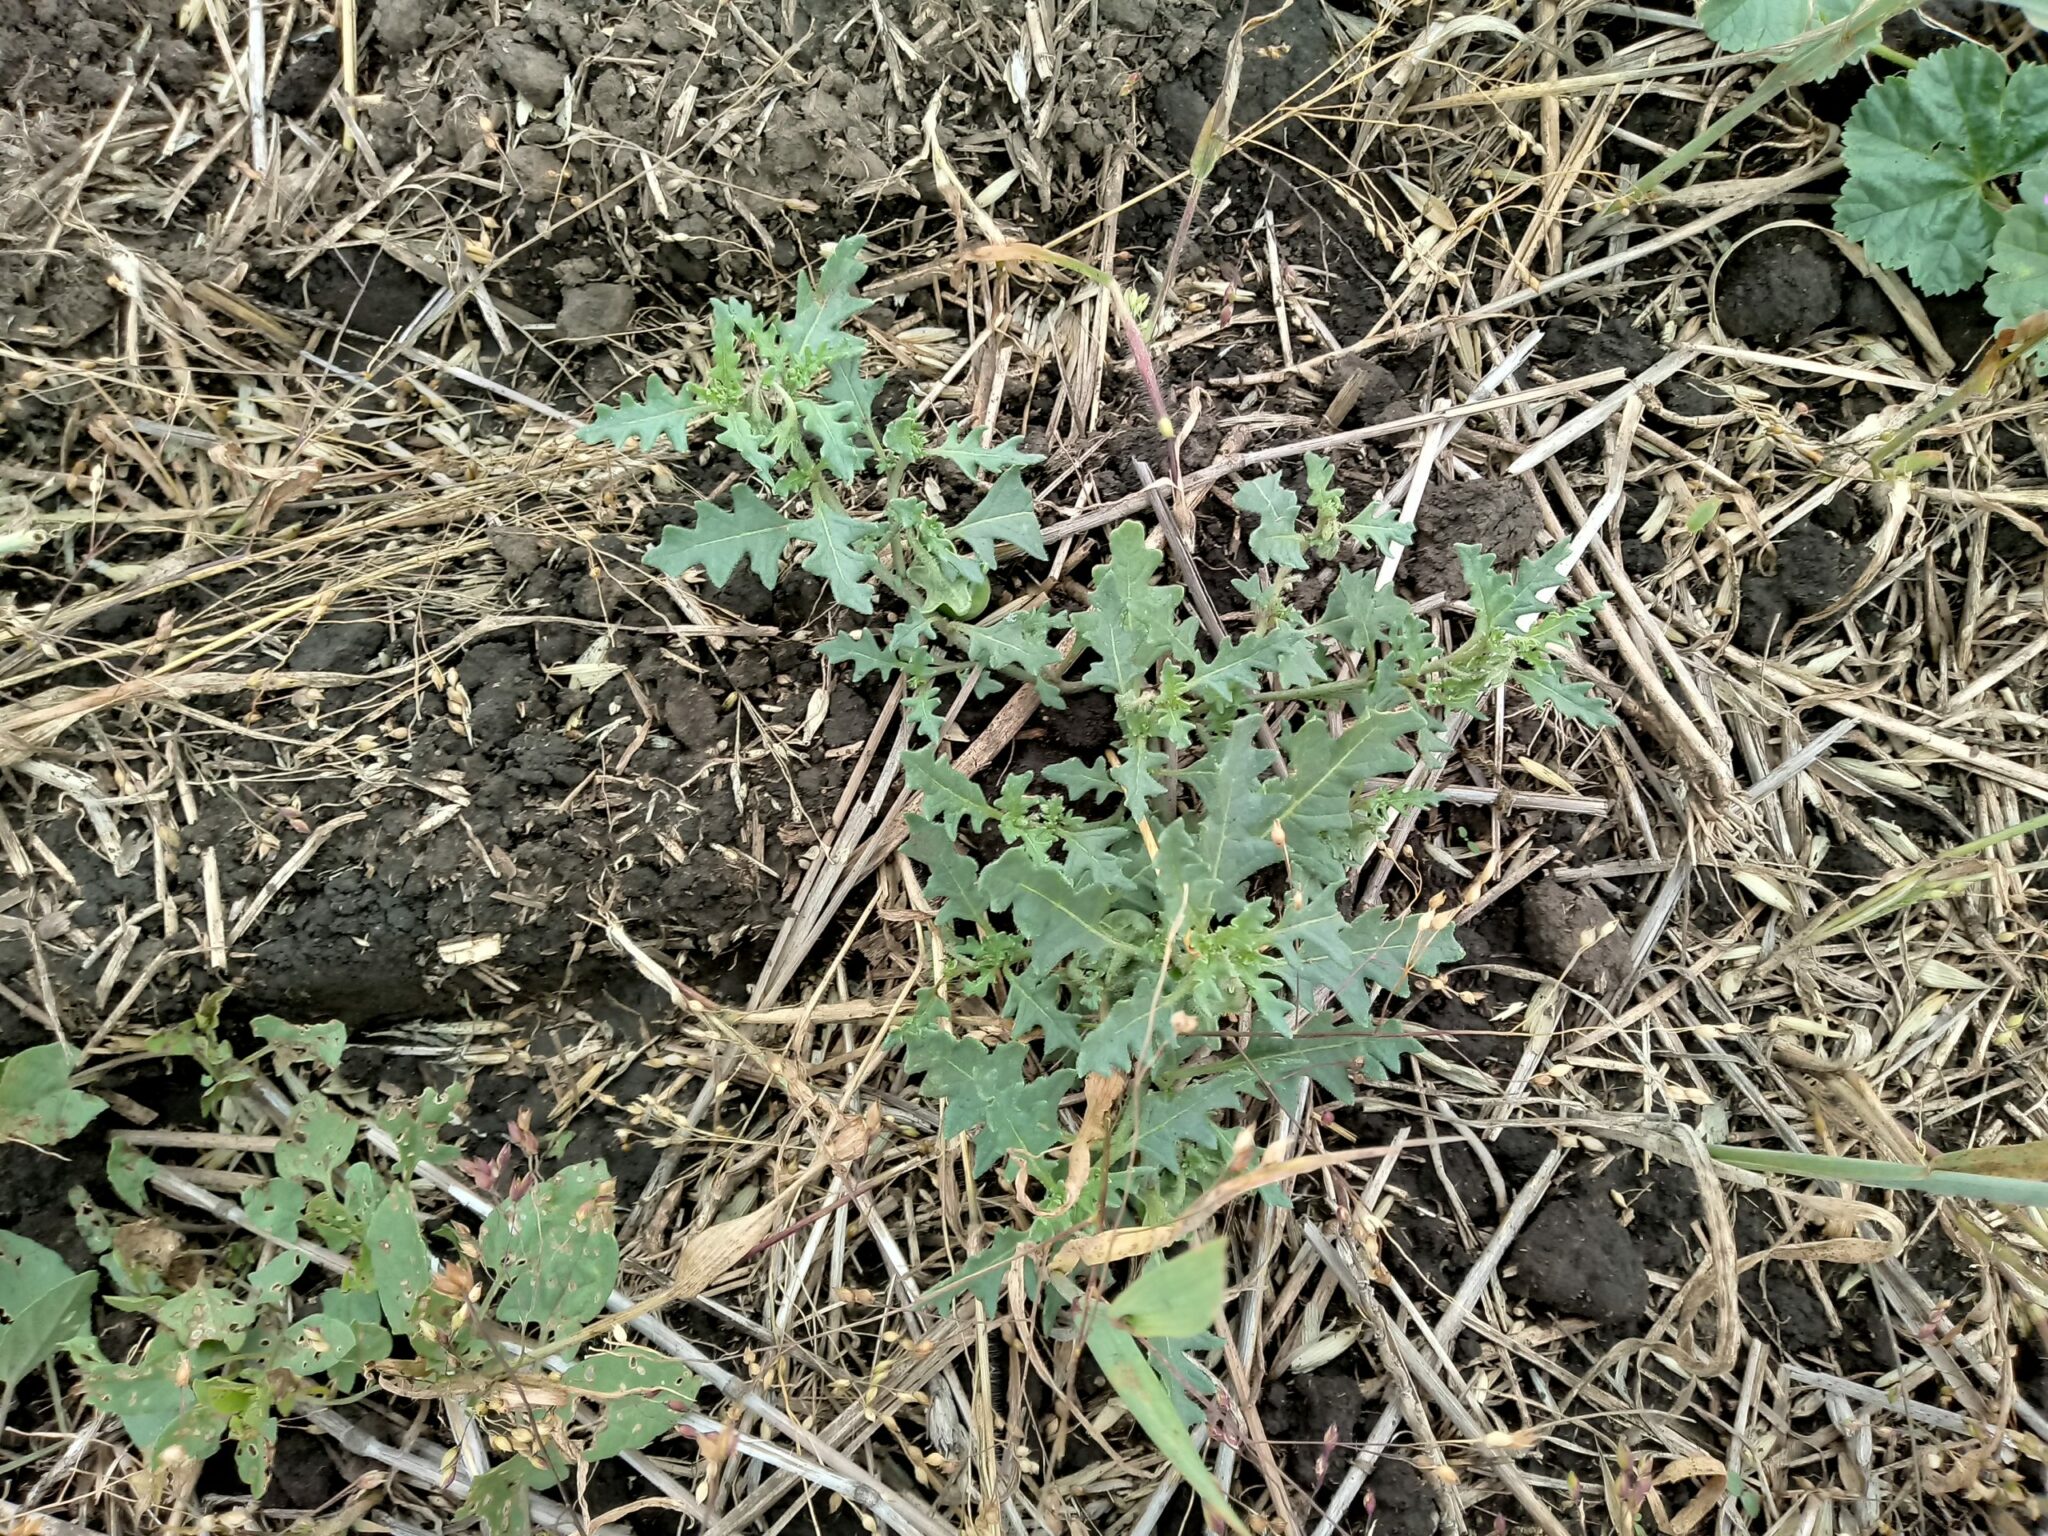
[[752, 531]]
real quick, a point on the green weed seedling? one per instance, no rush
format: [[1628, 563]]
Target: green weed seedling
[[330, 1288], [1163, 930], [789, 398]]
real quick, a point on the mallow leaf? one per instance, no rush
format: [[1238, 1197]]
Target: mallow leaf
[[2017, 289], [1924, 150], [1743, 25]]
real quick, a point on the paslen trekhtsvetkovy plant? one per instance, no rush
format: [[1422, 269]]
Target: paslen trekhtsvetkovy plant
[[1174, 910]]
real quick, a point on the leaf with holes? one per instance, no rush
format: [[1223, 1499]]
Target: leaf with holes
[[293, 1043], [552, 1251], [644, 1394], [38, 1105], [399, 1262], [317, 1140], [500, 1500]]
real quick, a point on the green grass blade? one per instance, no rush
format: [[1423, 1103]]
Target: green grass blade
[[1131, 1376], [1910, 1177]]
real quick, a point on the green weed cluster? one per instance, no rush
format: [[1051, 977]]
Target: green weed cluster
[[333, 1288], [1170, 914]]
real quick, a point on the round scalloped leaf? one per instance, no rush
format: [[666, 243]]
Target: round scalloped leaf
[[1923, 150], [2017, 289], [1740, 25]]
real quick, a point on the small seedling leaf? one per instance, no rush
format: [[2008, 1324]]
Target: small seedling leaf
[[294, 1043], [38, 1105], [44, 1302], [1175, 1297]]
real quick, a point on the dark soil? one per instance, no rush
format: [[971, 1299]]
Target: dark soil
[[510, 804], [1577, 1260], [1780, 286], [1316, 1421], [1575, 348], [1812, 568], [1497, 515], [1569, 932], [56, 53]]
